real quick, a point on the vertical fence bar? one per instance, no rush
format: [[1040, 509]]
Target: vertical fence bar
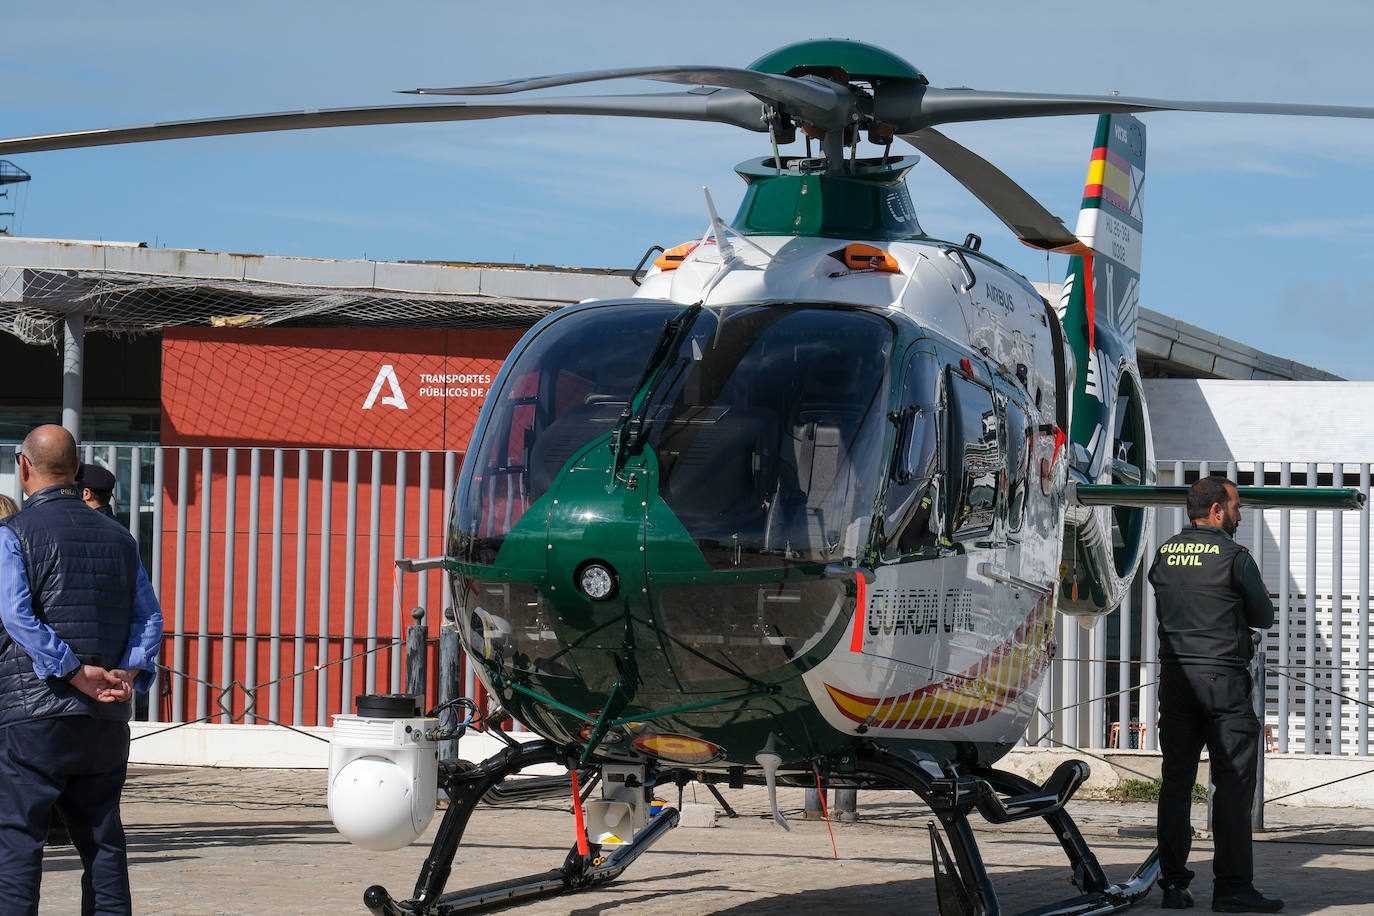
[[350, 578], [179, 601], [1257, 532], [1364, 612], [1309, 671], [226, 648], [16, 488], [1257, 674], [398, 541], [274, 633], [374, 562], [1097, 673], [250, 632], [450, 650], [159, 493], [469, 675], [1124, 719], [133, 503], [1337, 621], [1285, 612], [203, 650], [326, 555], [302, 549], [1149, 643], [135, 498], [1047, 720], [1069, 703], [112, 462], [422, 581]]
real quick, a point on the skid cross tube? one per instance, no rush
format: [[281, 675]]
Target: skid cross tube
[[1002, 797]]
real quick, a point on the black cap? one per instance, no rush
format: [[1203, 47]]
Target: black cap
[[94, 477]]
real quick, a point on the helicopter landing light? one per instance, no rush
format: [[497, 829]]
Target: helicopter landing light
[[597, 580], [679, 748]]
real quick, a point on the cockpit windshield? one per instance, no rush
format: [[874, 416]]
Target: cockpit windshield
[[567, 388], [767, 423]]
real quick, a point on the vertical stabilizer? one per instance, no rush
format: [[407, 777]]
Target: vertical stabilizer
[[1109, 437]]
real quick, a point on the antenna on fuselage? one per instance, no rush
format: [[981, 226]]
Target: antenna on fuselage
[[719, 229]]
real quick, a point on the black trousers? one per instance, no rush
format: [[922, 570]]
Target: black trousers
[[78, 764], [1203, 705]]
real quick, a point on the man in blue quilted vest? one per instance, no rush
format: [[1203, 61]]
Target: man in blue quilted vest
[[80, 630]]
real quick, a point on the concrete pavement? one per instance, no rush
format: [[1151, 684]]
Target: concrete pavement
[[208, 841]]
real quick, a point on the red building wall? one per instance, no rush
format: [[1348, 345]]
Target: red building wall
[[319, 390]]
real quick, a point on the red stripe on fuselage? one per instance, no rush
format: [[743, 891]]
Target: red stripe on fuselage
[[856, 641]]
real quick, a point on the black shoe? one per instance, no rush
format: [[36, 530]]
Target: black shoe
[[1176, 898], [1246, 901]]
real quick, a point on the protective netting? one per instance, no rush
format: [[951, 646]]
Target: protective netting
[[33, 303]]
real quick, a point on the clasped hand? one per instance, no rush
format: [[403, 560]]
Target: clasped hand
[[104, 685]]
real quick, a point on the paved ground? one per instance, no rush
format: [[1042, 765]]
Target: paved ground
[[217, 841]]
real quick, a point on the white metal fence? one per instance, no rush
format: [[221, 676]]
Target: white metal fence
[[276, 572], [1102, 688]]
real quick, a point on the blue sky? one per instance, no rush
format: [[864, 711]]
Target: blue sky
[[1258, 228]]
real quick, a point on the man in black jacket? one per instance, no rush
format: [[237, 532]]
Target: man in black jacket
[[80, 630], [1209, 594]]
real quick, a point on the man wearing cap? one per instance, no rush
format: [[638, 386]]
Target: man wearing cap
[[97, 487], [80, 630]]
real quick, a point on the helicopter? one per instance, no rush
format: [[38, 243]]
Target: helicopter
[[800, 512]]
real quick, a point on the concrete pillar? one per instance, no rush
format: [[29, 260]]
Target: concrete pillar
[[73, 363]]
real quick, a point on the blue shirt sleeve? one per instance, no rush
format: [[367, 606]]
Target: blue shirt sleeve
[[51, 656], [145, 634]]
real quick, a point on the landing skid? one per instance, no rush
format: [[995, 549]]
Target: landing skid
[[963, 887], [466, 785], [961, 879]]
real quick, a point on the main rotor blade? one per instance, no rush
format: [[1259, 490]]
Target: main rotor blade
[[725, 106], [909, 107], [813, 101], [1012, 204]]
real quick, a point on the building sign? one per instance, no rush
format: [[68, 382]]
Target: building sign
[[327, 387]]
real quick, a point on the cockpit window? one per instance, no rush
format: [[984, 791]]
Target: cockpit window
[[568, 387], [767, 425], [913, 516]]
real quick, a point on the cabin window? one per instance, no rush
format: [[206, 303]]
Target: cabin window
[[976, 462], [913, 513], [1018, 451]]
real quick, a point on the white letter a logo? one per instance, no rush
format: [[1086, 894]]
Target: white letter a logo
[[395, 399]]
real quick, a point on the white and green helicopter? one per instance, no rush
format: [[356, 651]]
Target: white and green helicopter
[[804, 507]]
